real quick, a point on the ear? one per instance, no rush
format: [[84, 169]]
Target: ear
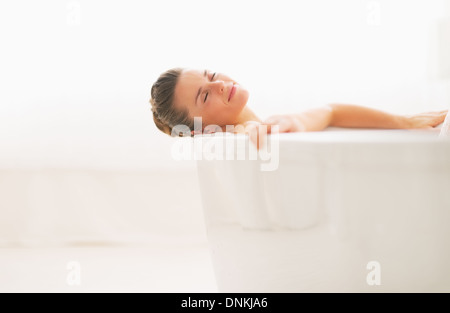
[[196, 132]]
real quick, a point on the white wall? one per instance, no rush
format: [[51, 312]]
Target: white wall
[[76, 75]]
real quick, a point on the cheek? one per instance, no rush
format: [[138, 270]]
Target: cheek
[[217, 114], [212, 111]]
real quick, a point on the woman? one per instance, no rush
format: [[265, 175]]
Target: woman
[[180, 94]]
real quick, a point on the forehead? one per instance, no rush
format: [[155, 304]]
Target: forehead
[[191, 73], [187, 87]]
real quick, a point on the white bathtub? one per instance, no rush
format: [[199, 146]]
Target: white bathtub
[[338, 202]]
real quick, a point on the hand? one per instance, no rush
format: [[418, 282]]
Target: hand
[[285, 123], [425, 120]]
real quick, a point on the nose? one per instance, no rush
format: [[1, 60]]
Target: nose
[[218, 86]]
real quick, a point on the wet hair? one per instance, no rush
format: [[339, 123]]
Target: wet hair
[[165, 115]]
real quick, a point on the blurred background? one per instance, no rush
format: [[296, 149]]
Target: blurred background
[[86, 177]]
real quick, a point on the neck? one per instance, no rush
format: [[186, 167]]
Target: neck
[[247, 115], [244, 117]]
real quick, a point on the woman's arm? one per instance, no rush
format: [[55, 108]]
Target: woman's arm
[[352, 116], [345, 115]]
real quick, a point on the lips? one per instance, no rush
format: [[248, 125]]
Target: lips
[[232, 92]]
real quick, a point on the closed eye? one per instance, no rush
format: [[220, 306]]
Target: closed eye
[[212, 78]]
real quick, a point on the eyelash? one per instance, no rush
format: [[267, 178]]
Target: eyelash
[[206, 96]]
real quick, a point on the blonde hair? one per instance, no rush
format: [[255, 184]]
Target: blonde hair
[[165, 115]]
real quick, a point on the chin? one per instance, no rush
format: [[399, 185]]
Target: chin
[[243, 98]]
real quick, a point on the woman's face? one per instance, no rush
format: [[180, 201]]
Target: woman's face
[[213, 96]]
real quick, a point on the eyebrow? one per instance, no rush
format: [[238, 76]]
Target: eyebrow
[[200, 89]]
